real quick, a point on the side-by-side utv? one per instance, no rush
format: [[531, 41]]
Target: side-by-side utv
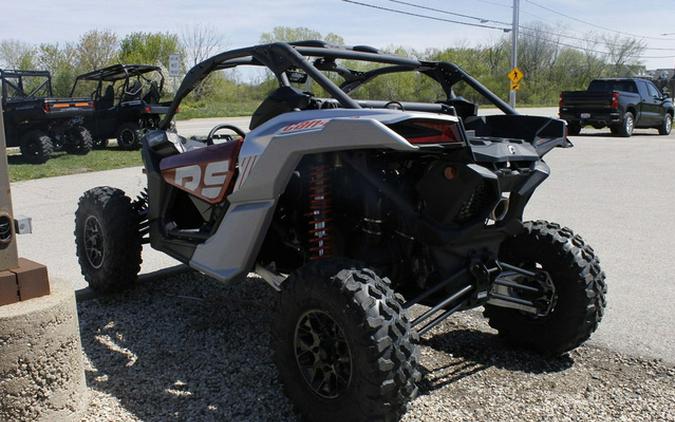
[[355, 210], [127, 101], [39, 123]]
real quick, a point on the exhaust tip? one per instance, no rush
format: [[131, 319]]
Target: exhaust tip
[[500, 210]]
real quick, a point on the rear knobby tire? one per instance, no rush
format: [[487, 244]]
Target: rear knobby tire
[[579, 283], [667, 125], [107, 239], [79, 141], [36, 147], [376, 329], [129, 136]]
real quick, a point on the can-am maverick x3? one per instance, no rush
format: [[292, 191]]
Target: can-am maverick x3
[[347, 206]]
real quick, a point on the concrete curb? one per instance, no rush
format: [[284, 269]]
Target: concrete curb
[[41, 371]]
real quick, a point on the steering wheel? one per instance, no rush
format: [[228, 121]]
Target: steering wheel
[[216, 128], [394, 103]]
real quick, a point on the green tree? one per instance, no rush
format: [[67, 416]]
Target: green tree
[[61, 62], [16, 54], [97, 49], [290, 34], [149, 48]]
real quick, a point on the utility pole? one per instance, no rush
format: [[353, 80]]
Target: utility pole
[[514, 46]]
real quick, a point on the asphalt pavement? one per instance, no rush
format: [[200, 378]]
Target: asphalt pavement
[[618, 193]]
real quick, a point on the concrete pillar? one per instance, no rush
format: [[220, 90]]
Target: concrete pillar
[[41, 372]]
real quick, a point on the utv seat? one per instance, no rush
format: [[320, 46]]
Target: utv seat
[[134, 92], [107, 100], [280, 101], [153, 96]]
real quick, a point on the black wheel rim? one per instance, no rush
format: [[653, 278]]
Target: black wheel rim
[[127, 137], [322, 354], [546, 297], [93, 242]]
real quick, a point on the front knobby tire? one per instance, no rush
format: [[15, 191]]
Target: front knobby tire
[[108, 240], [579, 284], [365, 351]]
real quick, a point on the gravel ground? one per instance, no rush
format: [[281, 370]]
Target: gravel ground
[[187, 348]]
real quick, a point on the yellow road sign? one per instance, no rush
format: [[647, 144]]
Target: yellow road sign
[[515, 86], [515, 75]]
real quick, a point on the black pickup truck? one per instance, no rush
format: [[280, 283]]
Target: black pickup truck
[[622, 104]]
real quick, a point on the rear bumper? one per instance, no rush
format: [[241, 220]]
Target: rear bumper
[[596, 119]]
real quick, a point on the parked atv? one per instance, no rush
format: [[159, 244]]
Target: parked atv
[[127, 102], [356, 211], [37, 122]]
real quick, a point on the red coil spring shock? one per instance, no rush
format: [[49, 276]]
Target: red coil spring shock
[[320, 241]]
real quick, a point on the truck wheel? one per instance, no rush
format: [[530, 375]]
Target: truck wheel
[[667, 125], [79, 141], [573, 129], [580, 289], [343, 344], [107, 239], [128, 136], [36, 147], [627, 126]]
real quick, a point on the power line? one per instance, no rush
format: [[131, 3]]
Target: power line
[[483, 20], [402, 12], [419, 6], [494, 3], [596, 25], [591, 50], [495, 27], [571, 37]]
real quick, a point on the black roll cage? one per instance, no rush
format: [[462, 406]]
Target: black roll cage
[[280, 57], [7, 74], [119, 72]]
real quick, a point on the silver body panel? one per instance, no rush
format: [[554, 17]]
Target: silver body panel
[[267, 159]]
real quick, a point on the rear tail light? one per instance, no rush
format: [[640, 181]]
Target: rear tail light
[[560, 102], [615, 100], [148, 109], [46, 108], [429, 131]]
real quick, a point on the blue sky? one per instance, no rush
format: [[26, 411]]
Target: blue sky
[[242, 21]]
